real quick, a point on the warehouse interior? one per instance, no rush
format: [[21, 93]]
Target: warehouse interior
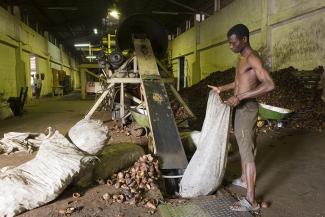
[[101, 103]]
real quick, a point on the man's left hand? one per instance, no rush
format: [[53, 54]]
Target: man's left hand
[[232, 101]]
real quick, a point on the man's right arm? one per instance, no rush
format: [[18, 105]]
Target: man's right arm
[[220, 89]]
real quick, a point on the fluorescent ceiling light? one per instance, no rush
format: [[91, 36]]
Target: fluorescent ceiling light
[[82, 45], [114, 14], [91, 57], [95, 31]]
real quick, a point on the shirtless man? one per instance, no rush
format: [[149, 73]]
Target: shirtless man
[[252, 80]]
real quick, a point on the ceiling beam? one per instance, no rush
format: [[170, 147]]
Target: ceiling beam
[[187, 7], [41, 12], [75, 22], [65, 20], [62, 8]]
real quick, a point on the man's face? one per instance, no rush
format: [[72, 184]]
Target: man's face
[[236, 44]]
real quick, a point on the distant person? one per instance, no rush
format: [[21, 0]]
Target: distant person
[[252, 80], [38, 86], [33, 85]]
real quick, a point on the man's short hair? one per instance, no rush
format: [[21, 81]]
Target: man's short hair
[[240, 30]]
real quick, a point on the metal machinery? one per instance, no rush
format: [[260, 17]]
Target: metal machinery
[[145, 40]]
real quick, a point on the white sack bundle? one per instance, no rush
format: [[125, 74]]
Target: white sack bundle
[[41, 179], [21, 142], [205, 171], [89, 135]]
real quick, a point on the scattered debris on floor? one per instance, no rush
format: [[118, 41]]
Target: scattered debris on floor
[[134, 183], [116, 129]]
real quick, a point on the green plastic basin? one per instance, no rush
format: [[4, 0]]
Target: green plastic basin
[[268, 112], [140, 117]]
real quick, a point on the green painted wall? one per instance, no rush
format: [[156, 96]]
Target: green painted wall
[[285, 32], [17, 43], [7, 70], [298, 41], [184, 44]]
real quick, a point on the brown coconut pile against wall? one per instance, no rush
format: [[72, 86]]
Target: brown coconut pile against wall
[[291, 92]]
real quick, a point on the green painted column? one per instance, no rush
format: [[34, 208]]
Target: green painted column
[[48, 60], [61, 56], [83, 82], [20, 69], [196, 70], [266, 42]]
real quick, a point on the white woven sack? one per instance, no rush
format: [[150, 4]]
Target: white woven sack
[[21, 142], [89, 135], [205, 171], [41, 179]]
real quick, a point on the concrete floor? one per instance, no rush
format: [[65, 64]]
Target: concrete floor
[[290, 163], [60, 113], [290, 173]]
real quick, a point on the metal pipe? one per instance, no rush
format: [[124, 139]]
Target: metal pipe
[[98, 102], [165, 12], [171, 12]]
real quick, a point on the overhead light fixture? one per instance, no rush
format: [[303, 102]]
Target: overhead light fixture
[[91, 57], [82, 45], [95, 31], [115, 14]]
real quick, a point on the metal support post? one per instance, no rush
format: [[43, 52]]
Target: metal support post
[[98, 102], [122, 108], [83, 83]]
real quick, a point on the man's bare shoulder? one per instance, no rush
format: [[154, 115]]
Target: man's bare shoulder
[[254, 58]]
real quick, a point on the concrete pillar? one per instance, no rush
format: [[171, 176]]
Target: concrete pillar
[[217, 5], [196, 68], [61, 56], [83, 82], [20, 69], [75, 77], [48, 73], [266, 40], [16, 12]]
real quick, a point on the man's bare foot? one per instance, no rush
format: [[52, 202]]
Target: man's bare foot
[[243, 205]]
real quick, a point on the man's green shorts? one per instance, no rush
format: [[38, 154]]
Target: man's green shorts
[[245, 129]]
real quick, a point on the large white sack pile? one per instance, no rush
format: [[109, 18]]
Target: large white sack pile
[[205, 171], [43, 178]]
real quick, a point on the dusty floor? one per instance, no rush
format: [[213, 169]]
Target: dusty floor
[[290, 173], [290, 165]]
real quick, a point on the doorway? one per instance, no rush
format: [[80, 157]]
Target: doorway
[[181, 73]]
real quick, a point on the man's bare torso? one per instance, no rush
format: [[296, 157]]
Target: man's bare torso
[[245, 78]]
